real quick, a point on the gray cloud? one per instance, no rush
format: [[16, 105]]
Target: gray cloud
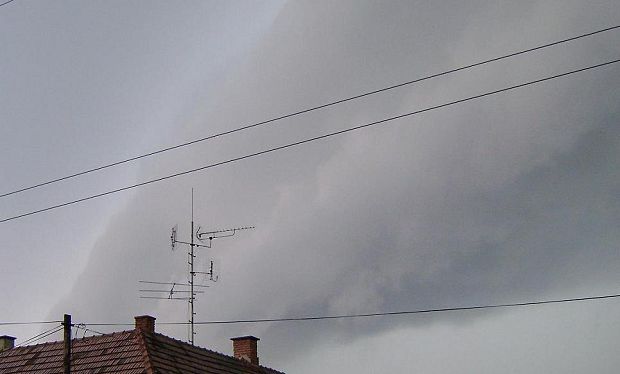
[[508, 198]]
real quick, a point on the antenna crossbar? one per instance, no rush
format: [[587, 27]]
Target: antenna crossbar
[[223, 233], [175, 291], [195, 245], [231, 229], [188, 288], [173, 284]]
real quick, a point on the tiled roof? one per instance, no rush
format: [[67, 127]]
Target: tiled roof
[[127, 352], [110, 353]]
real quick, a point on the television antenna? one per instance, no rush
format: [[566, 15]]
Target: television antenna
[[185, 291]]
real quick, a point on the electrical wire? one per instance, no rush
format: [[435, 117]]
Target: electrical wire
[[341, 316], [308, 140], [308, 110], [41, 336], [85, 329], [53, 329], [7, 2], [28, 323], [381, 314]]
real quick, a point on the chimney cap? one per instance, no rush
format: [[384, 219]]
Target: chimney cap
[[246, 337], [145, 316]]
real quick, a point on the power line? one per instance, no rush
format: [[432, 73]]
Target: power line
[[6, 2], [307, 110], [294, 144], [41, 336], [28, 323], [341, 316], [382, 314], [82, 327]]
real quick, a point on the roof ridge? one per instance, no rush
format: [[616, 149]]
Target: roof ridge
[[118, 352], [61, 341], [102, 335], [249, 364], [194, 346], [136, 350], [24, 347], [246, 363], [144, 348]]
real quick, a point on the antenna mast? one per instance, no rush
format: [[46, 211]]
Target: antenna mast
[[192, 295], [206, 238]]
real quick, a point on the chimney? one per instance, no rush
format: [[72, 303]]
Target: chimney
[[245, 348], [145, 323], [6, 342]]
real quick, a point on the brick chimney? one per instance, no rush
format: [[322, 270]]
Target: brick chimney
[[145, 323], [6, 342], [245, 348]]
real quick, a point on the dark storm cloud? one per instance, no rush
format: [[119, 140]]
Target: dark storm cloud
[[468, 209], [509, 198]]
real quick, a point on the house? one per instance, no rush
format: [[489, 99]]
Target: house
[[137, 351]]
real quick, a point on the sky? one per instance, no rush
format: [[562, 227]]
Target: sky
[[509, 198]]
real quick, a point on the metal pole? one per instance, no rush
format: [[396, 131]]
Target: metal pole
[[67, 340], [191, 276]]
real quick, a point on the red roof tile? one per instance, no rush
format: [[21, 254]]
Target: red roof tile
[[127, 352]]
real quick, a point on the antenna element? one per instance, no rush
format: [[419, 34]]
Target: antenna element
[[186, 289]]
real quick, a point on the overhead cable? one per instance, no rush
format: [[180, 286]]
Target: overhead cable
[[7, 2], [85, 329], [28, 323], [342, 316], [308, 140], [381, 314], [307, 110], [40, 336]]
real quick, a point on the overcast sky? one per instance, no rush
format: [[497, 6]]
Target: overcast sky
[[510, 198]]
